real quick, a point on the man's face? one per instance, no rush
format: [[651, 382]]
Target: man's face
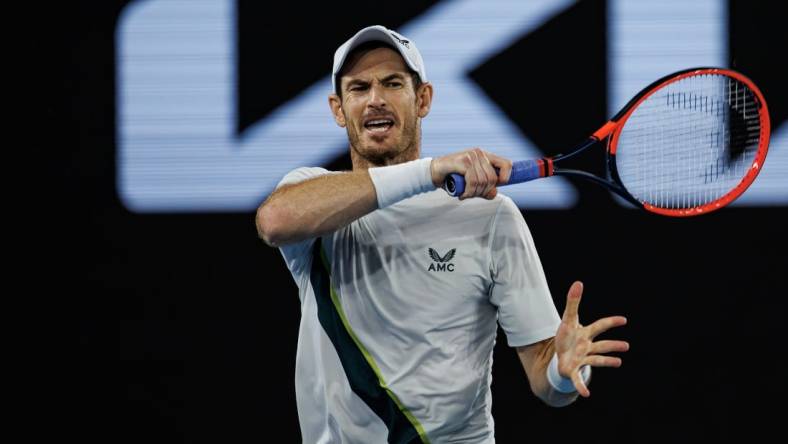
[[379, 106]]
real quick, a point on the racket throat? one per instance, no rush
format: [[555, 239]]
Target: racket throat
[[610, 186], [591, 141]]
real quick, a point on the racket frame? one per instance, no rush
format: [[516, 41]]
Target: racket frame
[[612, 131]]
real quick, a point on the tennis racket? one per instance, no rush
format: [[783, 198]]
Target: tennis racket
[[689, 143]]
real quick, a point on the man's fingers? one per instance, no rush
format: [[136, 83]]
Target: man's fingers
[[491, 177], [504, 166], [478, 168], [573, 302], [604, 324], [602, 361], [480, 175], [602, 347], [471, 176], [481, 172], [580, 385]]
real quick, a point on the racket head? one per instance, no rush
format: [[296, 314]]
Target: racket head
[[691, 142]]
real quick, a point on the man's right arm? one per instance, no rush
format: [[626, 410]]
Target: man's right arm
[[315, 207], [321, 205]]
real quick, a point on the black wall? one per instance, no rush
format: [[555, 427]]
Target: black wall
[[186, 325]]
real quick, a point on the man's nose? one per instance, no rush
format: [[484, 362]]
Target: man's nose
[[377, 97]]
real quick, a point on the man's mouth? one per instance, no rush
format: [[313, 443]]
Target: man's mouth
[[378, 125]]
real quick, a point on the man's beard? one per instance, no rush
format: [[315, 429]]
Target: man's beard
[[387, 155]]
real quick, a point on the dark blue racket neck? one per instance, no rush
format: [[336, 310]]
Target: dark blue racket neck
[[591, 141], [613, 186]]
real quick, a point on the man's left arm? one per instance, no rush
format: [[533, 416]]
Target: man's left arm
[[559, 368], [535, 359]]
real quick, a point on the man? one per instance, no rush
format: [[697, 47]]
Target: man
[[401, 285]]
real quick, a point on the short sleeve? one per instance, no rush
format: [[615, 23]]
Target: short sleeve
[[298, 254], [302, 174], [526, 311]]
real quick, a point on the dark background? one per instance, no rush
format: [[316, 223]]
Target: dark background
[[186, 324]]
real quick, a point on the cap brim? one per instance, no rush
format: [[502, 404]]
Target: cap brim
[[373, 33]]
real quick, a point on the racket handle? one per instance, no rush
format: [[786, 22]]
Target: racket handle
[[522, 171]]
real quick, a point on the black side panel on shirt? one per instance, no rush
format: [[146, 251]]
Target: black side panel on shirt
[[363, 380]]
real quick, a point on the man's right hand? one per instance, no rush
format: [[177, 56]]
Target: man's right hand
[[478, 167]]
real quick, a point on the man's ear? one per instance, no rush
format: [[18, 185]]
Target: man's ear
[[424, 99], [336, 109]]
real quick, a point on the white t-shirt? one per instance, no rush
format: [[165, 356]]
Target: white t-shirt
[[398, 318]]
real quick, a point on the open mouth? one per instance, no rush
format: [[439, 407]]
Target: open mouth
[[378, 125]]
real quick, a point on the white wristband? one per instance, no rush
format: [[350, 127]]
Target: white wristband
[[561, 384], [396, 182]]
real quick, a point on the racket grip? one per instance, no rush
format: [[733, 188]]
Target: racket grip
[[522, 171]]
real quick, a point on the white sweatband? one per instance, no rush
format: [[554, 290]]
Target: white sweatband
[[396, 182], [561, 384]]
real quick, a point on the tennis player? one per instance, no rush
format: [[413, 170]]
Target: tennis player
[[402, 286]]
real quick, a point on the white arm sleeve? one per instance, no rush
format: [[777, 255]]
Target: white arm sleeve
[[526, 311]]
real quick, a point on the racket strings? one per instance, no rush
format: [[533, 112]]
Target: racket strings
[[690, 142]]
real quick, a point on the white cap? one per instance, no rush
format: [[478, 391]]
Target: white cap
[[406, 48]]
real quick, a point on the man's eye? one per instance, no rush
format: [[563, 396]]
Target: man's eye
[[394, 84]]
